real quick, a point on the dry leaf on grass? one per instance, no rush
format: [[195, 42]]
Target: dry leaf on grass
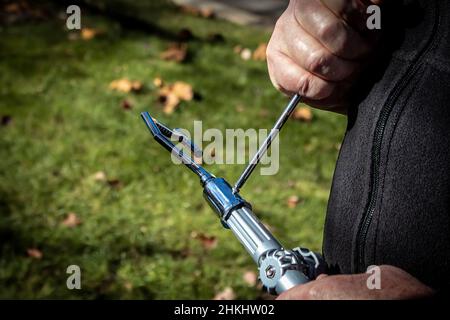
[[175, 52], [303, 114], [172, 94], [205, 12], [126, 105], [250, 278], [208, 242], [89, 33], [226, 294], [115, 183], [34, 253], [260, 53], [125, 85], [293, 201], [71, 220], [158, 82]]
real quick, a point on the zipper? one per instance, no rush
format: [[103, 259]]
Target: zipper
[[380, 127]]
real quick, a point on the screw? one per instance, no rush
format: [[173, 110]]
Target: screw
[[270, 272]]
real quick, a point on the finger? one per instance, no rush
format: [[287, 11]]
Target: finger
[[321, 276], [352, 11], [333, 33], [290, 78], [311, 55]]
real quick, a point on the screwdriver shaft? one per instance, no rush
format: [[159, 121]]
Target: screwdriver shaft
[[266, 144]]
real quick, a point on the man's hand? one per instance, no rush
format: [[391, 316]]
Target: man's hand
[[317, 49], [395, 284]]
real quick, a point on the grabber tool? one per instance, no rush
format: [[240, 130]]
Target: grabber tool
[[279, 269]]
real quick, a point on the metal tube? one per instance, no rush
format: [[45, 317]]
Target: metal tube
[[266, 144]]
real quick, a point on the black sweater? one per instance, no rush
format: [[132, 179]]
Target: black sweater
[[390, 199]]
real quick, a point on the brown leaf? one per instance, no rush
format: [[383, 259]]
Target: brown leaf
[[293, 201], [190, 10], [207, 12], [175, 52], [204, 12], [250, 278], [114, 183], [237, 49], [171, 95], [208, 242], [89, 33], [183, 90], [126, 105], [34, 253], [226, 294], [71, 220], [303, 114], [158, 82], [260, 53], [125, 85]]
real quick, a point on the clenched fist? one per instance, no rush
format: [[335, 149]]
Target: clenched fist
[[318, 48]]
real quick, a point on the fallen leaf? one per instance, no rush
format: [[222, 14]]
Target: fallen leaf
[[175, 52], [34, 253], [303, 114], [293, 201], [89, 33], [183, 90], [226, 294], [171, 95], [158, 82], [250, 278], [115, 183], [126, 105], [237, 49], [99, 176], [260, 53], [125, 85], [246, 54], [208, 242], [71, 220], [190, 10], [207, 12]]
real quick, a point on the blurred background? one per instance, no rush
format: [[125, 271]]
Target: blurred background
[[81, 180]]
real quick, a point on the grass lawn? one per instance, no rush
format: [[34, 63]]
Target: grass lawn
[[61, 124]]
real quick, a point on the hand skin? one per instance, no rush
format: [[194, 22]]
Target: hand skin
[[317, 49], [396, 284]]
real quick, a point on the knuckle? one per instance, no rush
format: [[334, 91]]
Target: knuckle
[[319, 63], [313, 88]]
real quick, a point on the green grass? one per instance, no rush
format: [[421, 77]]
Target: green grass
[[135, 241]]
